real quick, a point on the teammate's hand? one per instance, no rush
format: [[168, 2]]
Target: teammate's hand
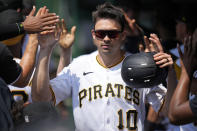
[[188, 60], [49, 39], [163, 59], [153, 44], [66, 39], [135, 30], [43, 21]]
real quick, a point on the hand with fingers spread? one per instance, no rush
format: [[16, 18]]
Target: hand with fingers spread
[[153, 44], [65, 42], [42, 21], [189, 58], [66, 38], [49, 39], [135, 30]]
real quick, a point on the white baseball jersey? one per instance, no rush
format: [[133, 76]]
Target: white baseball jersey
[[21, 93], [101, 99]]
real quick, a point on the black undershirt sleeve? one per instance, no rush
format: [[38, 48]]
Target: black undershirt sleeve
[[10, 70], [10, 30]]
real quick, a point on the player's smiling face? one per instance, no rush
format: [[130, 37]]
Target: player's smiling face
[[107, 36]]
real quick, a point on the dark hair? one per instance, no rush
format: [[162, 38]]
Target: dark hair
[[107, 10]]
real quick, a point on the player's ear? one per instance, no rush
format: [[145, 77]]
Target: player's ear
[[93, 34]]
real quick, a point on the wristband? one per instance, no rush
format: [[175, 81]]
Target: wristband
[[20, 28]]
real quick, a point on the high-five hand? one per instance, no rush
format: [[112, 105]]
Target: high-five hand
[[66, 39]]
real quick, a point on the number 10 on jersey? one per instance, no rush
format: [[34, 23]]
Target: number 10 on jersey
[[131, 119]]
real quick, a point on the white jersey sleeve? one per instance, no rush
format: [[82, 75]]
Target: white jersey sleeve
[[61, 85], [155, 96], [21, 93], [68, 78]]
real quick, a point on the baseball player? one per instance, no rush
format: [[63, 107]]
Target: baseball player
[[101, 100], [66, 41], [182, 100]]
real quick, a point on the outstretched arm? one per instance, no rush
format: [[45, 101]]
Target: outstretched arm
[[66, 41], [180, 110], [28, 61], [163, 60], [32, 24], [40, 86]]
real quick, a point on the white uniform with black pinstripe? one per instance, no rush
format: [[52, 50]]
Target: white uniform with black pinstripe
[[101, 100]]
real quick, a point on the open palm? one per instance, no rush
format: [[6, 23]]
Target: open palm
[[66, 39]]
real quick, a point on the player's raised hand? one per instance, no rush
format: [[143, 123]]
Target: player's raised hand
[[153, 44], [49, 39], [42, 21], [149, 47], [66, 39], [135, 30], [189, 58], [156, 43]]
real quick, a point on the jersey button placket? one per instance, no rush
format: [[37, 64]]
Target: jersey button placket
[[107, 74], [108, 107], [108, 102], [108, 121]]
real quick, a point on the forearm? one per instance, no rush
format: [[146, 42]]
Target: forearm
[[40, 86], [171, 86], [27, 62], [180, 111], [65, 58], [152, 115], [182, 90]]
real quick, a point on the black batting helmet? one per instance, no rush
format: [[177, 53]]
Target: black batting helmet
[[140, 71]]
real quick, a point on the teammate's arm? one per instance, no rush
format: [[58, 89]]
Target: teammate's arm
[[28, 61], [151, 119], [171, 86], [163, 60], [65, 42], [181, 109], [40, 85]]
